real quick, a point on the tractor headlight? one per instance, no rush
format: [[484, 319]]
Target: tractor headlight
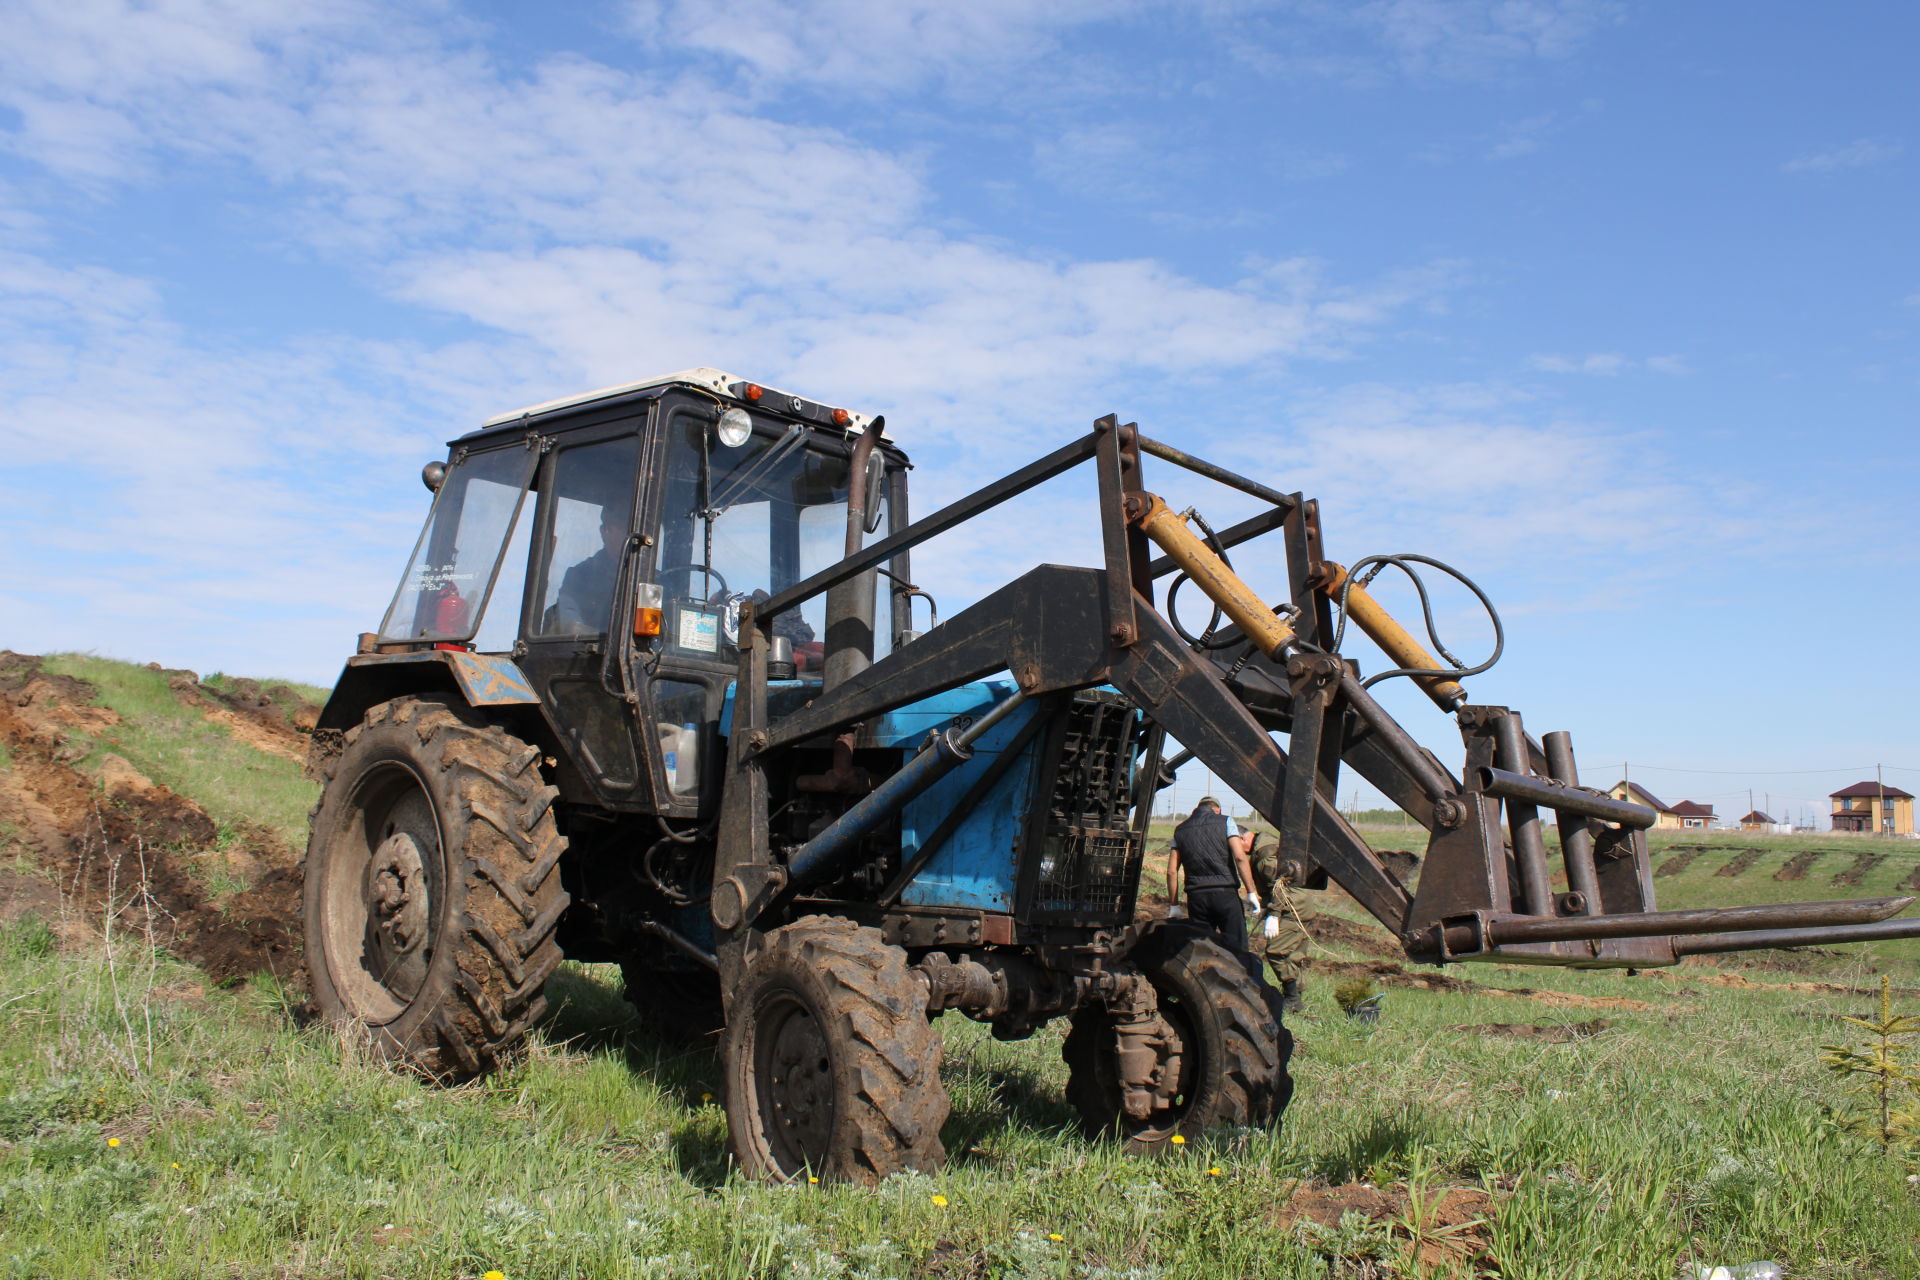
[[734, 428]]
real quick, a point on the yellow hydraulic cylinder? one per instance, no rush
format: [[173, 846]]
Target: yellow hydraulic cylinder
[[1394, 639], [1210, 573]]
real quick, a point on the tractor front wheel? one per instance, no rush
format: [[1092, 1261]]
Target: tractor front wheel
[[1232, 1049], [432, 888], [832, 1067]]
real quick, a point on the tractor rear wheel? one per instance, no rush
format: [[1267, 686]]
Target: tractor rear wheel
[[432, 888], [1233, 1050], [832, 1066]]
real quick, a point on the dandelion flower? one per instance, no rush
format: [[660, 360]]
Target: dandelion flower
[[494, 1275], [940, 1201], [811, 1178], [176, 1164], [113, 1142], [1055, 1236], [1214, 1172], [1178, 1139]]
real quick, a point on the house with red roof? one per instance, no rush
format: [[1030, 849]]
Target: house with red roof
[[1873, 808]]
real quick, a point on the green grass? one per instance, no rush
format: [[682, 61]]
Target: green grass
[[176, 746], [283, 692], [1691, 1130]]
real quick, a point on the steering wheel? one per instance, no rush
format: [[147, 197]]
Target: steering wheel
[[688, 571]]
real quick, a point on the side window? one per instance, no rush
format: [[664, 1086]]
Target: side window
[[592, 503]]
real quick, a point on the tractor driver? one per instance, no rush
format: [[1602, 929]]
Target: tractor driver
[[1214, 854], [586, 592]]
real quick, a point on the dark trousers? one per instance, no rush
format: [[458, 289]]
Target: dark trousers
[[1221, 911]]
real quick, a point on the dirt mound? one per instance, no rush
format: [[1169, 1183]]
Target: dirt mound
[[1912, 883], [270, 718], [1862, 863], [1388, 974], [126, 851], [1677, 863], [1737, 865], [1797, 865], [1368, 940], [1452, 1222], [1557, 1033]]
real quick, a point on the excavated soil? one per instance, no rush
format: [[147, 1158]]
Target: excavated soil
[[1677, 863], [1862, 863], [1453, 1220], [123, 852], [1388, 974], [1912, 883], [1737, 865], [1797, 865], [269, 718]]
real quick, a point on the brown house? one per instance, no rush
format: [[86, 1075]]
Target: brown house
[[1671, 818], [1693, 817], [1872, 808], [1757, 821]]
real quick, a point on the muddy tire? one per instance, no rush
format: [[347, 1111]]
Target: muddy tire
[[432, 888], [832, 1066], [1233, 1048], [678, 1005]]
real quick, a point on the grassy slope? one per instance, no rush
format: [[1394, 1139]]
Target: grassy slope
[[1691, 1128], [175, 745]]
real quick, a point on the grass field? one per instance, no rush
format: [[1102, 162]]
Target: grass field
[[1528, 1123]]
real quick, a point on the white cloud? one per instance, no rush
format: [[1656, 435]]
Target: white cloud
[[1854, 155], [1606, 364]]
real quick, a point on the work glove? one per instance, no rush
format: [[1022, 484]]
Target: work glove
[[1253, 901], [1270, 927]]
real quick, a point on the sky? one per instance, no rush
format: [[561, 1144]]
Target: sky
[[1614, 306]]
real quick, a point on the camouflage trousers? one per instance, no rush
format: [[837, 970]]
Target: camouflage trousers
[[1285, 952]]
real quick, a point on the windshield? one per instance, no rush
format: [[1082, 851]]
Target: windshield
[[451, 574], [770, 513]]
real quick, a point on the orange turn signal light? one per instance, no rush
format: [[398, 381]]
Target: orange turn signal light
[[841, 417], [754, 391], [646, 622]]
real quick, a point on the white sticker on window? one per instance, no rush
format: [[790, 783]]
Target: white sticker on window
[[699, 631]]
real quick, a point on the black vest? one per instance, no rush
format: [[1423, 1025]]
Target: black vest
[[1204, 853]]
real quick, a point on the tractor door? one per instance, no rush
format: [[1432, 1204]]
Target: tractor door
[[571, 646]]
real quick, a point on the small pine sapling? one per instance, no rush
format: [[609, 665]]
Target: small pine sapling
[[1888, 1086]]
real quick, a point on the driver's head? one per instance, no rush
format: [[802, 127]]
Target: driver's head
[[613, 529]]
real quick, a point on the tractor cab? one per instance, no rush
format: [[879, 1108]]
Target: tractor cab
[[607, 545]]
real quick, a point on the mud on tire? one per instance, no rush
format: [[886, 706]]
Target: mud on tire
[[432, 887], [832, 1066], [1234, 1050]]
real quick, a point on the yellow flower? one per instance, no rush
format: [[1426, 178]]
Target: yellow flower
[[494, 1275], [940, 1201], [1214, 1172], [811, 1178], [1178, 1139], [1055, 1236], [706, 1097], [176, 1164], [113, 1142]]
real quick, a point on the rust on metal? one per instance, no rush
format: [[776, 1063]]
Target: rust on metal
[[1269, 633], [1398, 643]]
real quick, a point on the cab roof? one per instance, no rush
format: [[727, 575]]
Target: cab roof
[[716, 381]]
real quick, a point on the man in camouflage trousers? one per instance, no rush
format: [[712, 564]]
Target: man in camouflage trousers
[[1279, 939]]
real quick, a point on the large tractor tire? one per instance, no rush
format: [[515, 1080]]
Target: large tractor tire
[[433, 888], [1233, 1049], [832, 1067]]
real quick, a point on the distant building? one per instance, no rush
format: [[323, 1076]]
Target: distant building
[[1760, 822], [1694, 817], [1871, 808], [1634, 793]]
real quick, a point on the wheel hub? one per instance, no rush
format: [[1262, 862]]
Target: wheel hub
[[799, 1086], [397, 895]]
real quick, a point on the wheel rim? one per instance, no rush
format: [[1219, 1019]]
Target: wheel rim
[[793, 1076], [384, 894]]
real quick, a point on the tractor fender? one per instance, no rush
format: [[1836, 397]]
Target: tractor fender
[[482, 679]]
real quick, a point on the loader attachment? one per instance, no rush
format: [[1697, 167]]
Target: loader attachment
[[1487, 889]]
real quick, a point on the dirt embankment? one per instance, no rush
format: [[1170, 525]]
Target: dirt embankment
[[1912, 883], [117, 849], [1798, 865], [1862, 863], [1677, 863], [269, 718], [1737, 865]]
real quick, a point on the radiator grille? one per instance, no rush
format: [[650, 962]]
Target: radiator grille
[[1089, 863]]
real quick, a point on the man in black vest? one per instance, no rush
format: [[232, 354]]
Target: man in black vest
[[1214, 854]]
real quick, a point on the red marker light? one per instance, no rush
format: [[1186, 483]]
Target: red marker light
[[754, 391], [841, 417]]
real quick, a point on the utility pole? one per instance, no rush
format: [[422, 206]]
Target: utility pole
[[1880, 823]]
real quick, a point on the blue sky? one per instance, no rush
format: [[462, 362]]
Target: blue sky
[[1613, 305]]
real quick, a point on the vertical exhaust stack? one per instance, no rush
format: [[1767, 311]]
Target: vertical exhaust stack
[[850, 604]]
